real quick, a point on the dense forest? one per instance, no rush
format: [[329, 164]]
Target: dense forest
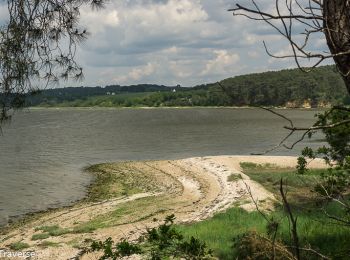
[[287, 88]]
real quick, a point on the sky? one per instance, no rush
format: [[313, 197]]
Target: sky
[[171, 42]]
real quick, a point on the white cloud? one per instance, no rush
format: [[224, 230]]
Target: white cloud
[[223, 62], [137, 74], [92, 19], [185, 42], [166, 22]]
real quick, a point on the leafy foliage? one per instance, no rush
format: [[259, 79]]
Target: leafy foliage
[[335, 182], [163, 242], [337, 137], [120, 249], [38, 44], [321, 86]]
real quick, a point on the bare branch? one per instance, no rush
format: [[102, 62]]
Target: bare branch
[[331, 18], [270, 16], [313, 128], [314, 252], [293, 221]]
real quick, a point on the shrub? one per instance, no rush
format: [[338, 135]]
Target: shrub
[[252, 246]]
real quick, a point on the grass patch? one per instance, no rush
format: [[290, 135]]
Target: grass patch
[[59, 232], [46, 244], [117, 180], [48, 231], [299, 187], [234, 177], [314, 228], [17, 246], [255, 166], [219, 231], [75, 243], [125, 214], [40, 236], [86, 228]]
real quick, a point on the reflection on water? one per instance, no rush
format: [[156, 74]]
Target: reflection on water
[[43, 151]]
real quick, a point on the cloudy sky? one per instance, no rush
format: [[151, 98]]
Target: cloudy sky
[[170, 42]]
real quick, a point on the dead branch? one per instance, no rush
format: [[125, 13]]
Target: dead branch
[[310, 250], [272, 223], [307, 130], [270, 16], [312, 128], [293, 221], [255, 201], [330, 18]]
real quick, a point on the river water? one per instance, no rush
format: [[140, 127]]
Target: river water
[[43, 151]]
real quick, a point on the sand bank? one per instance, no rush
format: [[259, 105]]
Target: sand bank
[[193, 189]]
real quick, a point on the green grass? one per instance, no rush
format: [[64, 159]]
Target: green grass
[[17, 246], [46, 244], [125, 214], [47, 228], [76, 242], [314, 227], [219, 231], [48, 231], [88, 227], [115, 180], [53, 230], [299, 187], [40, 236], [234, 177]]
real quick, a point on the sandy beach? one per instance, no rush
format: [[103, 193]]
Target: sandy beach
[[193, 189]]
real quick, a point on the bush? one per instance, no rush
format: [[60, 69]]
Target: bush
[[163, 242], [252, 246], [120, 249]]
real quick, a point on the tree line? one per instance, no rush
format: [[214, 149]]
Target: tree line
[[321, 87]]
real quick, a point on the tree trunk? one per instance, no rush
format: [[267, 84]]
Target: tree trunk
[[336, 14]]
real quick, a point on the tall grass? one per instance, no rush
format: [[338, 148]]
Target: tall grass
[[220, 231], [314, 228]]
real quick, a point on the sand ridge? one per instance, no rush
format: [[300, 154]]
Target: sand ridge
[[193, 189]]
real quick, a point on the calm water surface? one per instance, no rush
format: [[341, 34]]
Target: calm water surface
[[43, 151]]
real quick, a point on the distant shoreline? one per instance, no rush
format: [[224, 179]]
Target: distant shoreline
[[175, 107]]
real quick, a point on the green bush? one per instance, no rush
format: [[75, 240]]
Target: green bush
[[159, 243]]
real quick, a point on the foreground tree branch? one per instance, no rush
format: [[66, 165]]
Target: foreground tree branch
[[328, 17], [38, 46]]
